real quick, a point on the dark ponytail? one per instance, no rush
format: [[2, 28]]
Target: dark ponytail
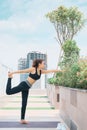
[[36, 62]]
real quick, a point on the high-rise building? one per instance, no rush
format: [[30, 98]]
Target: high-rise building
[[35, 55], [22, 64]]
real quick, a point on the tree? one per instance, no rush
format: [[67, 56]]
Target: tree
[[67, 22], [70, 55]]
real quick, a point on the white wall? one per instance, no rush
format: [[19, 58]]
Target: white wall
[[42, 81]]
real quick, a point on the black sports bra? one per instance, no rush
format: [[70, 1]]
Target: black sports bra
[[35, 76]]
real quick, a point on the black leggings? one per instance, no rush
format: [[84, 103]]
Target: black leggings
[[22, 87]]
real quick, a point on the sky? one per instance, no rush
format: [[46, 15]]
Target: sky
[[24, 28]]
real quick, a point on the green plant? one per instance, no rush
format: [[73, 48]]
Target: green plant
[[82, 75], [75, 70], [67, 23], [56, 80], [70, 54], [51, 80]]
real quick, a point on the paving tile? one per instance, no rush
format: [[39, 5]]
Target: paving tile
[[37, 99]]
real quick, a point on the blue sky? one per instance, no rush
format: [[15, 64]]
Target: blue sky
[[24, 28]]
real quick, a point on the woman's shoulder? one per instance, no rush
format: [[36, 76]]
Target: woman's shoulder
[[32, 68]]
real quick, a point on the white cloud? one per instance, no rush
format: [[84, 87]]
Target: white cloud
[[11, 50], [82, 1], [21, 19], [29, 18], [19, 25]]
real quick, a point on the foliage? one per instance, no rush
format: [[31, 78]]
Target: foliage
[[74, 72], [82, 75], [56, 80], [70, 55], [51, 80], [75, 77], [67, 22]]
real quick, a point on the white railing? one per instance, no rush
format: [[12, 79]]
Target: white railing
[[3, 78]]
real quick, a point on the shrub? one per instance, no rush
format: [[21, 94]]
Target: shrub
[[75, 70], [82, 75]]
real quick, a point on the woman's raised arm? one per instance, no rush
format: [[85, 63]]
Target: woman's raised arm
[[23, 71], [49, 71]]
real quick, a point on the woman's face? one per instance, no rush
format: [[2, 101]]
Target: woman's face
[[42, 65]]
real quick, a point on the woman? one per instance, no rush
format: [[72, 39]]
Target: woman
[[34, 74]]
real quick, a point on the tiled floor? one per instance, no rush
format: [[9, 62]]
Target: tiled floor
[[38, 108]]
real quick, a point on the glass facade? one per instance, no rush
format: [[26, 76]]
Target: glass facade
[[22, 64], [36, 55]]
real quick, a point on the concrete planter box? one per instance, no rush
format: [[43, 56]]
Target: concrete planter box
[[53, 95], [73, 107]]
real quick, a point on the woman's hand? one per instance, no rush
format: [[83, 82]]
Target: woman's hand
[[10, 74]]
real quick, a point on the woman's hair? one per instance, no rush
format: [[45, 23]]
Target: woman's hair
[[36, 62]]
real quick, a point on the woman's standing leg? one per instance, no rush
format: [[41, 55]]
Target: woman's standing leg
[[24, 104], [22, 87]]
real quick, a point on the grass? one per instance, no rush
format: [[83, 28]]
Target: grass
[[29, 108], [30, 101], [33, 97]]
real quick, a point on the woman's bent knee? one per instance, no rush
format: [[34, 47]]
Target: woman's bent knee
[[8, 92]]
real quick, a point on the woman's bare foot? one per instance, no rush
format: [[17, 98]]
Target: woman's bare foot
[[10, 75], [24, 122]]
